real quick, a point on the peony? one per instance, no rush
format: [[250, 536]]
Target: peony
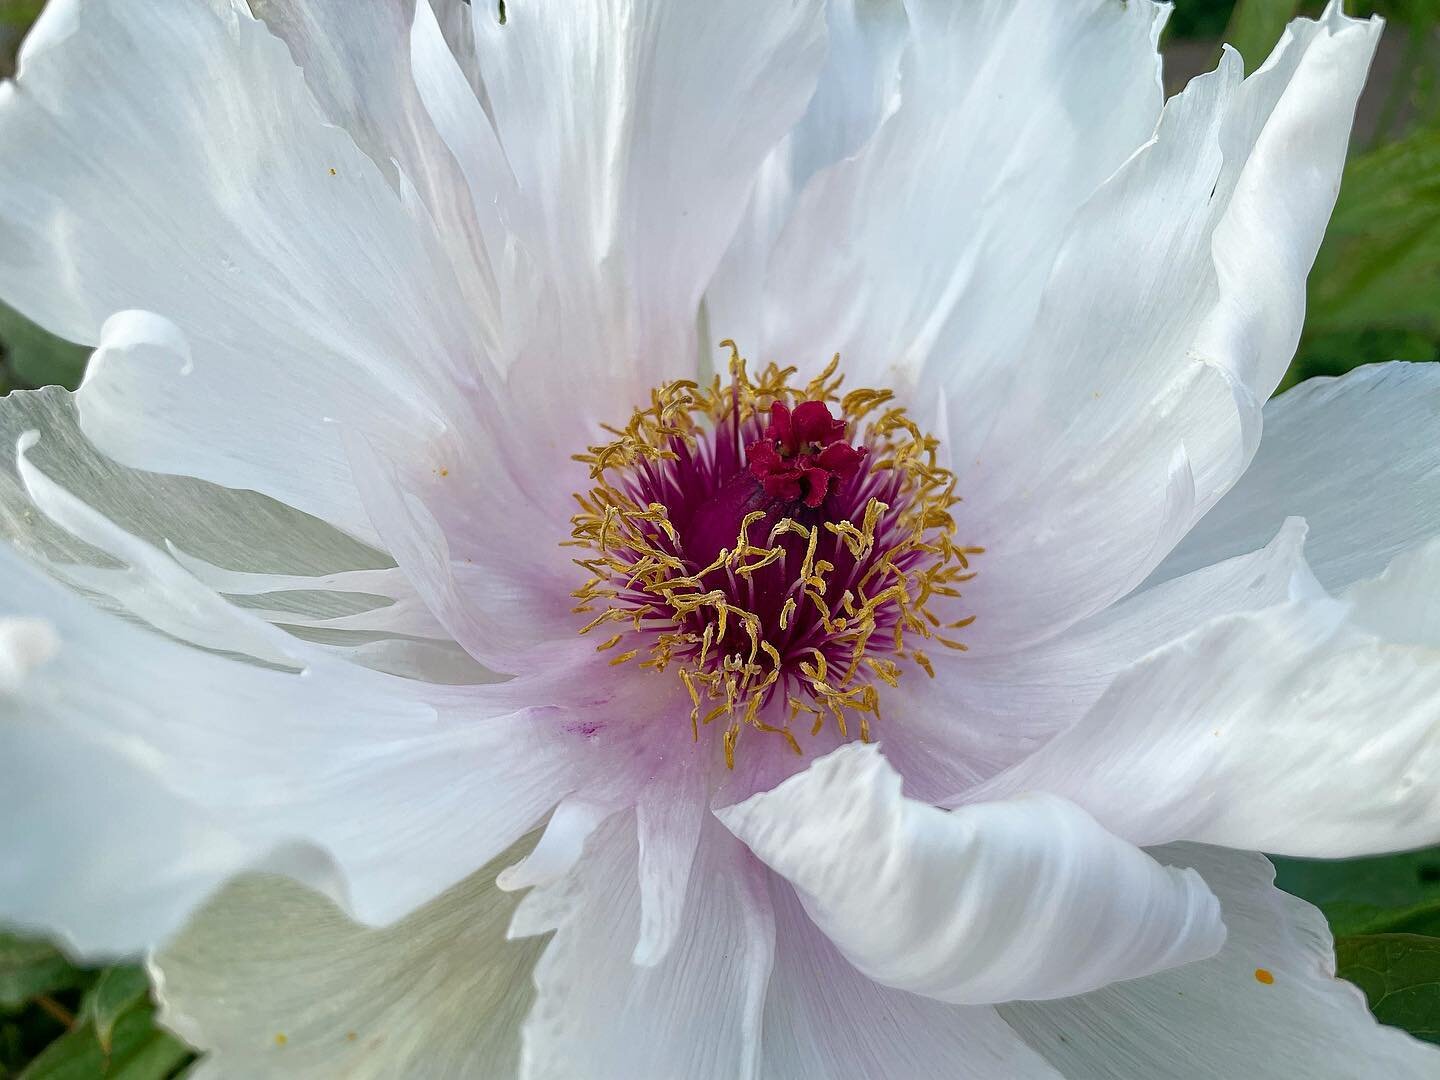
[[446, 658]]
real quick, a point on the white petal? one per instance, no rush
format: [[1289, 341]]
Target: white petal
[[1214, 1020], [306, 289], [138, 403], [1027, 898], [239, 530], [239, 761], [368, 79], [25, 644], [560, 845], [669, 819], [695, 1014], [500, 604], [101, 853], [1357, 456], [981, 714], [1398, 605], [826, 1021], [270, 979], [1177, 287], [148, 584], [280, 556], [932, 244], [634, 132], [1290, 730], [858, 88], [467, 134]]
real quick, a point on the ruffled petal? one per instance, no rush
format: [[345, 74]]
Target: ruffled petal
[[929, 248], [695, 1014], [858, 88], [370, 67], [271, 979], [982, 714], [826, 1021], [1171, 309], [1026, 898], [1357, 456], [98, 850], [1307, 729], [634, 132], [307, 291], [1268, 1004], [389, 798], [281, 565]]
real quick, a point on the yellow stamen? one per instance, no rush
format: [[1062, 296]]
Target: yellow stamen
[[638, 572]]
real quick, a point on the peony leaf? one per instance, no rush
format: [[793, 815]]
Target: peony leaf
[[1380, 263], [138, 1051], [20, 13], [31, 357], [118, 990], [1256, 25], [1386, 894], [29, 968], [1400, 974]]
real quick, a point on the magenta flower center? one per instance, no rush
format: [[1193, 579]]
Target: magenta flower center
[[782, 550]]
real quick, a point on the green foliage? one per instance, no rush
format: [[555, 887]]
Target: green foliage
[[1380, 264], [1385, 895], [30, 357], [133, 1048], [1400, 974], [59, 1021], [30, 968], [1256, 25], [1385, 914], [19, 13]]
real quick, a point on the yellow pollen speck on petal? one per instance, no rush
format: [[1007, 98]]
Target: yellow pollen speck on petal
[[444, 470], [1264, 976], [350, 1036], [280, 1039], [334, 173]]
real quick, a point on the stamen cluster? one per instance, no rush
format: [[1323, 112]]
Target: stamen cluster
[[732, 533]]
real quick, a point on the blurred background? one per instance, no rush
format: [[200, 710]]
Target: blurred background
[[1374, 296]]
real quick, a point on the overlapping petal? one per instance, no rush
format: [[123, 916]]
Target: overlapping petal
[[1023, 898], [1303, 729], [305, 290], [1135, 401], [243, 763], [271, 979], [1356, 456], [826, 1021], [985, 713], [696, 1013], [1215, 1020]]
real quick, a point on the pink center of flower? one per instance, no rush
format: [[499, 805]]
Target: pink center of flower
[[753, 540], [803, 454]]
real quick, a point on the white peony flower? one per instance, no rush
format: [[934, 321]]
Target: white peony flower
[[920, 726]]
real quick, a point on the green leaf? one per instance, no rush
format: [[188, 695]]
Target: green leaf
[[1386, 894], [118, 990], [29, 968], [19, 12], [139, 1050], [32, 357], [1400, 974], [1380, 263], [1256, 25], [76, 1055]]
